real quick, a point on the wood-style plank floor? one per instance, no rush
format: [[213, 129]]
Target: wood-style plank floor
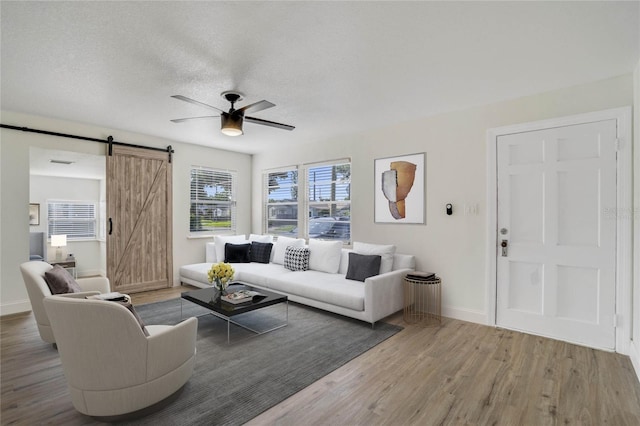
[[458, 374]]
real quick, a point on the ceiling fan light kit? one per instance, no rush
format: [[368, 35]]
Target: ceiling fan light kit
[[231, 122]]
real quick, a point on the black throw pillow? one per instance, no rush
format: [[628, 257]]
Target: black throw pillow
[[261, 252], [237, 253], [363, 266]]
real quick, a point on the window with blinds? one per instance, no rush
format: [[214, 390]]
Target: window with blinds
[[75, 219], [329, 201], [281, 201], [323, 209], [213, 207]]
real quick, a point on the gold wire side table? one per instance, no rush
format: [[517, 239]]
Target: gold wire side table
[[422, 301]]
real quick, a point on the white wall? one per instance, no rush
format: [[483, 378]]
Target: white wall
[[634, 350], [42, 188], [14, 191], [455, 146]]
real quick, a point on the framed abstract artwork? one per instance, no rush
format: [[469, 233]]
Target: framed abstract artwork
[[34, 214], [399, 189]]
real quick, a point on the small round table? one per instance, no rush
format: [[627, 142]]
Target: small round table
[[422, 301]]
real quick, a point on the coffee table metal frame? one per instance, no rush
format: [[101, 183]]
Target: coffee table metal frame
[[210, 298]]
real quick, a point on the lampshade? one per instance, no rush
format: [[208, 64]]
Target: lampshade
[[231, 124], [58, 240]]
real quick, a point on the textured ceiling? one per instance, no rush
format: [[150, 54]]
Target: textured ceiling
[[331, 68]]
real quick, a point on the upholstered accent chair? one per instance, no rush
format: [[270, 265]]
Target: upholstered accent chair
[[37, 288], [111, 367]]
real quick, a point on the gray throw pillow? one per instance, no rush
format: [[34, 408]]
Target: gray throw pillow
[[60, 281], [363, 266], [127, 304], [260, 252]]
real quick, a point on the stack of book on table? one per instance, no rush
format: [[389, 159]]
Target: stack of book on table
[[421, 276], [243, 296]]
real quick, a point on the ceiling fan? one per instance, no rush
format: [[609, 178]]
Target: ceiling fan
[[231, 121]]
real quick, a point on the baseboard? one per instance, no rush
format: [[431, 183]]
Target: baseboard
[[15, 307], [478, 317], [634, 354]]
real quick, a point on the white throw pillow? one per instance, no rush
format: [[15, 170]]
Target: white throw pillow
[[324, 256], [386, 252], [210, 253], [281, 245], [260, 238], [221, 240]]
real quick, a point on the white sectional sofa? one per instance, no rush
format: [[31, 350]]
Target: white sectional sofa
[[375, 298]]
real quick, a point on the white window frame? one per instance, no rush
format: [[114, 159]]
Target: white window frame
[[303, 204], [308, 204], [267, 204], [73, 227], [231, 203]]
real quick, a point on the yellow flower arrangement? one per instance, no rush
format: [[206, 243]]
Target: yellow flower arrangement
[[221, 274]]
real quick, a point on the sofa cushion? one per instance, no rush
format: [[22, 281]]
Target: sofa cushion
[[344, 261], [324, 256], [333, 289], [210, 253], [221, 240], [363, 266], [261, 252], [259, 274], [296, 258], [261, 238], [281, 246], [385, 251], [196, 272], [237, 253], [60, 281]]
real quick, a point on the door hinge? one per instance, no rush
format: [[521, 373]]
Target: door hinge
[[619, 144]]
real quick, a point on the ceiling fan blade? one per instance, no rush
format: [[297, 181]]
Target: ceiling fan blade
[[258, 106], [191, 101], [182, 120], [269, 123]]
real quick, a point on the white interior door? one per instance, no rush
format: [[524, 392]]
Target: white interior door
[[556, 195]]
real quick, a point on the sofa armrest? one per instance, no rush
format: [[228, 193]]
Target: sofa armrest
[[170, 348], [383, 294], [100, 284], [79, 295]]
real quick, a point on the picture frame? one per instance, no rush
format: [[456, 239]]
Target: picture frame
[[399, 189], [34, 214]]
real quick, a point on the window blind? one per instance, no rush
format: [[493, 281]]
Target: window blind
[[75, 219], [213, 206]]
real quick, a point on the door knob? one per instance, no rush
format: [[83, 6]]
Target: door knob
[[504, 245]]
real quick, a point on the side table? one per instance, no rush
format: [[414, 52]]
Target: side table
[[69, 264], [422, 301]]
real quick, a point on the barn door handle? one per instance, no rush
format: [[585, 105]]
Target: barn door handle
[[110, 226]]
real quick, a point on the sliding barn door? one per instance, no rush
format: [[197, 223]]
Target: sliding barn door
[[139, 238]]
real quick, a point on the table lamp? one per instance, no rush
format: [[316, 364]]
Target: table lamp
[[58, 241]]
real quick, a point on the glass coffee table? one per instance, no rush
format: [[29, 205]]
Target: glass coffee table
[[210, 298]]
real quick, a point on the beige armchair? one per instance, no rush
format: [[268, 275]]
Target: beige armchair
[[33, 276], [111, 367]]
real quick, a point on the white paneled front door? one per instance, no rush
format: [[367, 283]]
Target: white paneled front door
[[556, 221]]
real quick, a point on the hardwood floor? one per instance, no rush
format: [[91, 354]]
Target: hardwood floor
[[460, 373]]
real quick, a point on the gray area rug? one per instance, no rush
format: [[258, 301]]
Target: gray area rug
[[232, 383]]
